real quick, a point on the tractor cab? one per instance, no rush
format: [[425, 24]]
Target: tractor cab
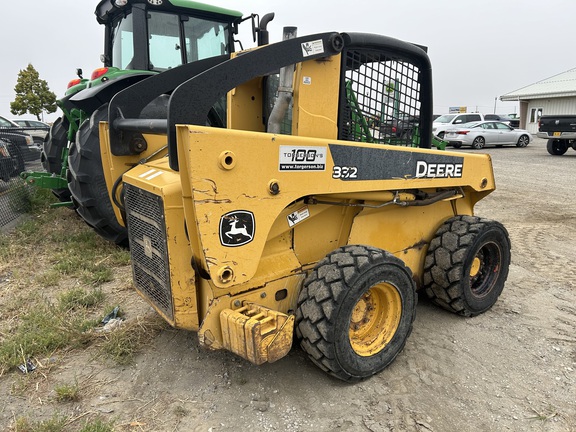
[[156, 36]]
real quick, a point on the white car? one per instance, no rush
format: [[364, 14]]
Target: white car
[[480, 134], [447, 121], [39, 130]]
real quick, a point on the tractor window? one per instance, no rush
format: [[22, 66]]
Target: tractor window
[[205, 39], [164, 41], [123, 43]]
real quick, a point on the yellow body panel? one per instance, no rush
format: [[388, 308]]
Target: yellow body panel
[[166, 184], [316, 98], [218, 190]]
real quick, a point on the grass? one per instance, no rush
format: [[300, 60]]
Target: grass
[[67, 392], [58, 279], [59, 423], [55, 267]]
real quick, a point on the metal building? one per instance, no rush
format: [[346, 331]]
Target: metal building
[[554, 95]]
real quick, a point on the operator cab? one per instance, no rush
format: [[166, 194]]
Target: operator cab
[[157, 36]]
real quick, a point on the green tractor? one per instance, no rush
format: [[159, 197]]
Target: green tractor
[[142, 38]]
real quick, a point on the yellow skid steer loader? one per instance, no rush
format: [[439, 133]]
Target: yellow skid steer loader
[[279, 202]]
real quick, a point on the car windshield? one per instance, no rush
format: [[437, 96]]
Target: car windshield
[[444, 119]]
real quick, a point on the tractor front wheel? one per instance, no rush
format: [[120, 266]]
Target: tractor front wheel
[[87, 182], [467, 265], [355, 311]]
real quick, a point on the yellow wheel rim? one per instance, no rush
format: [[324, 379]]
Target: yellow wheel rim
[[375, 319], [475, 268]]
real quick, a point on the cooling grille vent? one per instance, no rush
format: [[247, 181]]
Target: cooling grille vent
[[147, 235]]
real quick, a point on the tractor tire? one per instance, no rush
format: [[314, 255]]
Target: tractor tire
[[467, 265], [556, 147], [87, 183], [52, 148], [355, 311]]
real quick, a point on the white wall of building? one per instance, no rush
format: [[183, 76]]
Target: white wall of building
[[554, 106]]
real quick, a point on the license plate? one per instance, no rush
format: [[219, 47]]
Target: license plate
[[557, 134]]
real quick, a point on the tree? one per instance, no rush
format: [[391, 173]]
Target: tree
[[32, 94]]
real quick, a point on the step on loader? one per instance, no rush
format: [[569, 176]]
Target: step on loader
[[274, 204]]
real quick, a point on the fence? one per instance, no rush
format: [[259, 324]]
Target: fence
[[19, 151]]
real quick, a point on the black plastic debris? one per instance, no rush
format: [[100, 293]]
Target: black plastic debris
[[112, 315], [27, 367]]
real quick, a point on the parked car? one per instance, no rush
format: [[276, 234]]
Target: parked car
[[401, 127], [480, 134], [39, 130], [7, 162], [22, 145], [448, 121], [514, 122]]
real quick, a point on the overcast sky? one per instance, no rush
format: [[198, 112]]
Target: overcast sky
[[479, 49]]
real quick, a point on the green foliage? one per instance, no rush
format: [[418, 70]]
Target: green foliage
[[67, 392], [32, 94], [55, 424], [59, 423], [97, 425]]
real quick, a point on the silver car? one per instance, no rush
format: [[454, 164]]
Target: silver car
[[480, 134]]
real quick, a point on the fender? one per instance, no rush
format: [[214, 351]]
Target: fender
[[90, 99]]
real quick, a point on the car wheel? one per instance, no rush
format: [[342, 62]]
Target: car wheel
[[478, 143], [523, 141], [467, 265], [440, 135], [556, 147], [456, 145], [355, 311]]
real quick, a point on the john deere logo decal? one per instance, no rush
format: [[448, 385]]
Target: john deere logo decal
[[237, 228]]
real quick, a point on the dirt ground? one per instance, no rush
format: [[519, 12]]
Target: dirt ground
[[510, 369]]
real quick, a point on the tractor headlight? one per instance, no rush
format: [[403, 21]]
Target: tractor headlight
[[120, 3]]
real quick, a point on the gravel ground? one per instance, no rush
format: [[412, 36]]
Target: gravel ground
[[510, 369]]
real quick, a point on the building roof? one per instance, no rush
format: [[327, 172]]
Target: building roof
[[561, 85]]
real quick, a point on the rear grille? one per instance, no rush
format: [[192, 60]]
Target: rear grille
[[148, 247]]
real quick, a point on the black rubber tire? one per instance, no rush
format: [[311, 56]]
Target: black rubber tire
[[523, 141], [556, 147], [330, 294], [87, 183], [467, 265], [456, 145], [478, 143], [56, 141], [441, 135]]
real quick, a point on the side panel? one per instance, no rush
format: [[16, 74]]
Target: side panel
[[159, 245], [240, 182]]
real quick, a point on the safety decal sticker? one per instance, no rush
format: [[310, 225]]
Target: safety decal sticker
[[298, 216], [302, 158], [151, 174], [237, 228], [312, 48]]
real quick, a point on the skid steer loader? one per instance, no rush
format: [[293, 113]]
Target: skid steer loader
[[291, 214]]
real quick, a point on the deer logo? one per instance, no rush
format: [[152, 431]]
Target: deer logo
[[237, 228]]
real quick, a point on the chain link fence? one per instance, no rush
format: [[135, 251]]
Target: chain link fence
[[19, 151]]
